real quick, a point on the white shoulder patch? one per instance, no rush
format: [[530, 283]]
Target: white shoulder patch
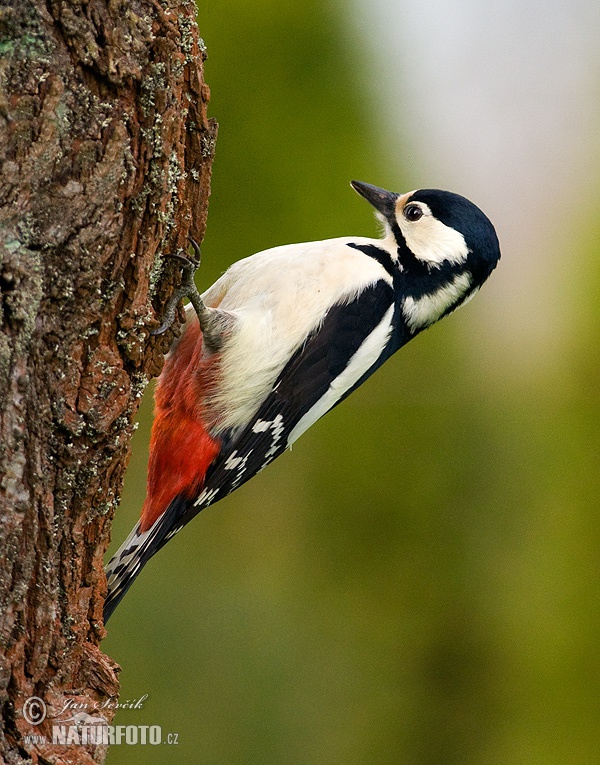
[[278, 298], [364, 358]]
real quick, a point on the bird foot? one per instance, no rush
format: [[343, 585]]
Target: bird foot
[[187, 289], [211, 322]]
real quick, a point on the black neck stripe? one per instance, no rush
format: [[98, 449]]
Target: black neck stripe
[[382, 256]]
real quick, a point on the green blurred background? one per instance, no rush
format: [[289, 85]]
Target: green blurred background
[[417, 582]]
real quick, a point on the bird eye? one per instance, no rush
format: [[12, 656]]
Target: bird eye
[[413, 212]]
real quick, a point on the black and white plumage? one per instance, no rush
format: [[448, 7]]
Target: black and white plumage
[[298, 328]]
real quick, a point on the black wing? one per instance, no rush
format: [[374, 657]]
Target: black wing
[[302, 382]]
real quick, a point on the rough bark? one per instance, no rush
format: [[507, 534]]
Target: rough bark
[[105, 152]]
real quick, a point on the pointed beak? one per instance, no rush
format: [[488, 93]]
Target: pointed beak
[[383, 201]]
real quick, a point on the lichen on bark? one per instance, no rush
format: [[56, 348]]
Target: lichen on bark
[[105, 159]]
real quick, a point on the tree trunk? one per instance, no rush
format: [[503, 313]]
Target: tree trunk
[[106, 153]]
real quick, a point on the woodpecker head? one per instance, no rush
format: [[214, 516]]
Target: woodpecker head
[[445, 248]]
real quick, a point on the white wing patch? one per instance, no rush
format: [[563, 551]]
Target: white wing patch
[[276, 425], [206, 497], [421, 312], [364, 358], [278, 297], [233, 462]]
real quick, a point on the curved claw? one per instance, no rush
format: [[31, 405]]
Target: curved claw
[[169, 316], [164, 326], [178, 256], [184, 258], [212, 321], [187, 289], [197, 251]]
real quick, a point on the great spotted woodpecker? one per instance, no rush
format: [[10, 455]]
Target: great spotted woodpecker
[[285, 335]]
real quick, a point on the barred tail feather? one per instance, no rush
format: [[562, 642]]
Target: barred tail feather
[[123, 568], [137, 550]]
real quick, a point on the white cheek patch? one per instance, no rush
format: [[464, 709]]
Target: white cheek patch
[[424, 311], [431, 241]]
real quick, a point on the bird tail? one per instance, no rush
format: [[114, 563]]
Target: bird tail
[[136, 551], [127, 563], [123, 568]]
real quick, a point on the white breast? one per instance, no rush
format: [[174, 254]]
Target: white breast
[[278, 297]]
